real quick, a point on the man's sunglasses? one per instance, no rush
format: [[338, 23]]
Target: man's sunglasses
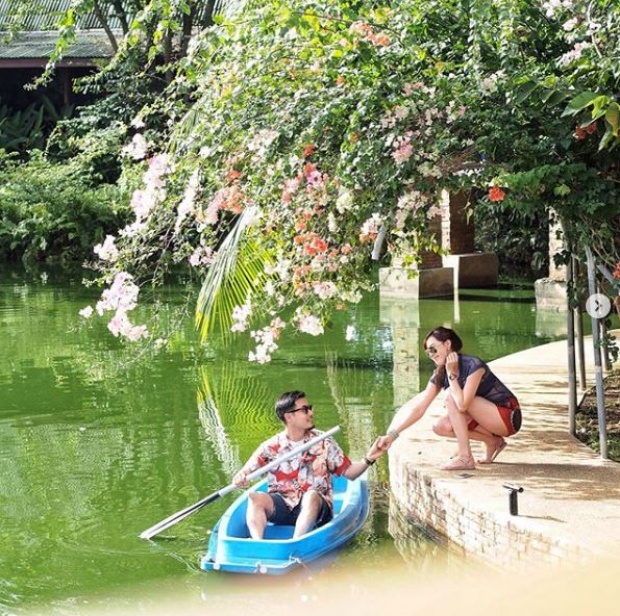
[[305, 409]]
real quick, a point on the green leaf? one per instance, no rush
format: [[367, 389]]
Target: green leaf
[[612, 117], [579, 103], [554, 97], [524, 91], [606, 139], [562, 190], [599, 105]]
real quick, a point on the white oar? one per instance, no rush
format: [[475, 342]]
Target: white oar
[[180, 515]]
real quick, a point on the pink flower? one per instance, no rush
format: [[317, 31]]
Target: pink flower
[[402, 153]]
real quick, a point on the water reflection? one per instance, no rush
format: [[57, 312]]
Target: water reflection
[[99, 441]]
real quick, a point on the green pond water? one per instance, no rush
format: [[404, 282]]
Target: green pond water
[[99, 441]]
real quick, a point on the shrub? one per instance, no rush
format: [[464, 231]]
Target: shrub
[[51, 212]]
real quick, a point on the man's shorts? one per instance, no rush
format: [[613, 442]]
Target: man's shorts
[[282, 515]]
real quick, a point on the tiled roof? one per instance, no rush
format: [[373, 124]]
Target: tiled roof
[[38, 31], [44, 15], [93, 44]]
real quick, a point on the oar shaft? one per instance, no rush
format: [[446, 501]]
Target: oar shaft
[[180, 515]]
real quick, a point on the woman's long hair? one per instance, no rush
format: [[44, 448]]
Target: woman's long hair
[[443, 334]]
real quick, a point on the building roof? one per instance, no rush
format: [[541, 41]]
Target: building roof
[[36, 32], [34, 49], [43, 15]]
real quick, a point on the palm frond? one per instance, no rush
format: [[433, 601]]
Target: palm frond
[[237, 271]]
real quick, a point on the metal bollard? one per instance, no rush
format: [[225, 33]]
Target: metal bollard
[[512, 497]]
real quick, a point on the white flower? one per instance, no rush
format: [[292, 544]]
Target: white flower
[[372, 224], [189, 197], [252, 216], [325, 290], [120, 325], [282, 269], [309, 324], [434, 210], [122, 295], [266, 339], [332, 223], [344, 202], [241, 316], [350, 333], [137, 148], [574, 54], [351, 297], [107, 251], [86, 312], [259, 144], [270, 288], [571, 24]]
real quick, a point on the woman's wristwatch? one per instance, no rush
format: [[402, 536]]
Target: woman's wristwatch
[[451, 377], [368, 462]]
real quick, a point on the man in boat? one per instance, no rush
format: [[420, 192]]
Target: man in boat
[[300, 490]]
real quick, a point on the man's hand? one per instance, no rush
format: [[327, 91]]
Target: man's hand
[[376, 451], [241, 479]]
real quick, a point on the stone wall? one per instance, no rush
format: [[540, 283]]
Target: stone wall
[[498, 540]]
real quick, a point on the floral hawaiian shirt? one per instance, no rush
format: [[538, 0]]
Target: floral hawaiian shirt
[[310, 469]]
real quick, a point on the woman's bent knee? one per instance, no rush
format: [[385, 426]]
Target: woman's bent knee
[[443, 427]]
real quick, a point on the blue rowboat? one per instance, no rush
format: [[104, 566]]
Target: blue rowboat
[[232, 549]]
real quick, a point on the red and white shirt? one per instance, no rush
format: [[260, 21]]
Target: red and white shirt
[[308, 470]]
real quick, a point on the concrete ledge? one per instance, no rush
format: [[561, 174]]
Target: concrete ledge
[[395, 282], [570, 507], [475, 269], [485, 535]]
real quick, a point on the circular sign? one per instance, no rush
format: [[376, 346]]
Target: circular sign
[[598, 306]]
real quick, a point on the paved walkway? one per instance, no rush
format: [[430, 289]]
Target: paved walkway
[[571, 496]]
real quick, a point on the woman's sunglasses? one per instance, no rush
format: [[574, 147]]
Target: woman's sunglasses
[[431, 351]]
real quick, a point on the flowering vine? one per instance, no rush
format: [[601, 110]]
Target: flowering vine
[[304, 131]]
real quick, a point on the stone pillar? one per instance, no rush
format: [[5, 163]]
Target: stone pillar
[[556, 245], [457, 235], [551, 291], [432, 279], [471, 269]]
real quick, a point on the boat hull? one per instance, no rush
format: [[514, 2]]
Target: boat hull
[[231, 548]]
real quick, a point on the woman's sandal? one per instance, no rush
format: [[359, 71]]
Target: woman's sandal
[[460, 464], [496, 452]]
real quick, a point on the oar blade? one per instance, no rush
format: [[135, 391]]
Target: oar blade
[[160, 527]]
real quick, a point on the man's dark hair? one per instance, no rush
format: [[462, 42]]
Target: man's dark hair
[[286, 402]]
